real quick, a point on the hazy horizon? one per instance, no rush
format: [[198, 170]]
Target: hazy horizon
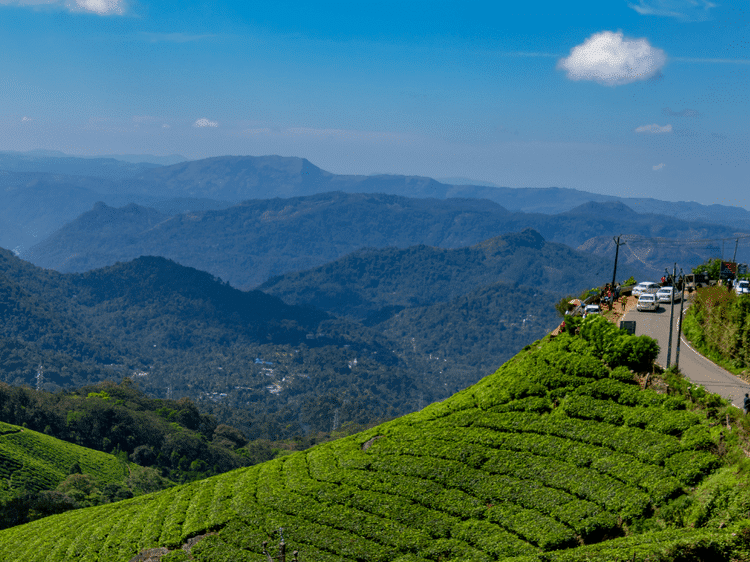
[[635, 99]]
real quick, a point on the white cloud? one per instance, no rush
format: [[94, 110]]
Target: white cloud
[[203, 122], [26, 120], [165, 126], [100, 7], [686, 10], [612, 59], [658, 167], [654, 129]]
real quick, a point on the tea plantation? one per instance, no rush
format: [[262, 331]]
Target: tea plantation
[[559, 455], [35, 461]]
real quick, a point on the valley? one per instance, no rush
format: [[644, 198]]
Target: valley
[[345, 343]]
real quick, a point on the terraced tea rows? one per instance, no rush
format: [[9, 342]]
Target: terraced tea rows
[[36, 461], [551, 452]]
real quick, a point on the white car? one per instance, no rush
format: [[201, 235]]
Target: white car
[[665, 294], [644, 288], [742, 287], [592, 309], [647, 301]]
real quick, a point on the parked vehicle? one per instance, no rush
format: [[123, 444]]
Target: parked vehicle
[[645, 287], [647, 301], [742, 287], [592, 309], [668, 294]]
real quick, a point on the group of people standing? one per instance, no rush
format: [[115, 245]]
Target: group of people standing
[[608, 293]]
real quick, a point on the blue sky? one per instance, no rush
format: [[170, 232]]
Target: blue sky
[[632, 98]]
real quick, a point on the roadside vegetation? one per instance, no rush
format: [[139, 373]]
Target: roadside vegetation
[[718, 326], [561, 454]]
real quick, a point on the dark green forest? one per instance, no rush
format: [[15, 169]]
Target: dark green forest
[[179, 332], [371, 285], [358, 341]]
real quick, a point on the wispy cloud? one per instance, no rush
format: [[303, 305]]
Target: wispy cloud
[[685, 10], [26, 120], [99, 7], [658, 167], [203, 122], [654, 129], [612, 59], [684, 113], [175, 37]]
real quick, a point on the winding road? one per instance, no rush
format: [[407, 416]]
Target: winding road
[[692, 364]]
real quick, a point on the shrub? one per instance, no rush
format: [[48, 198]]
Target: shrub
[[622, 374]]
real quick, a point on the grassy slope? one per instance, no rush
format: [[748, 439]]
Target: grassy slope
[[550, 452], [718, 325], [38, 462]]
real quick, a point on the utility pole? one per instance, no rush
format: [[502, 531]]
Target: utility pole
[[679, 320], [614, 273], [734, 257], [671, 318]]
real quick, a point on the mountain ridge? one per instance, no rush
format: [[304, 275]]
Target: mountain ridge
[[263, 238]]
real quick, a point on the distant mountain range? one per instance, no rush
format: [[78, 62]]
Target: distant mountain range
[[51, 162], [79, 182], [250, 242]]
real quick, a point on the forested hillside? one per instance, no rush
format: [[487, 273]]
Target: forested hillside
[[254, 240], [181, 332], [477, 331], [257, 239], [560, 454], [371, 285]]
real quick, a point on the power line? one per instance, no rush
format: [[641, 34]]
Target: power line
[[639, 239]]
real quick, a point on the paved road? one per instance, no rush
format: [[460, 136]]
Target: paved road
[[693, 365]]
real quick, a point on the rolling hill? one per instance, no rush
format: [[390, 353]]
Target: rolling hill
[[369, 284], [250, 242], [558, 455], [183, 333], [35, 461]]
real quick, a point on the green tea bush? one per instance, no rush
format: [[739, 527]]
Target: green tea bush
[[558, 448]]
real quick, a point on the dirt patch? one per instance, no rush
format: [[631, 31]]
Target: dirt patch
[[369, 443]]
